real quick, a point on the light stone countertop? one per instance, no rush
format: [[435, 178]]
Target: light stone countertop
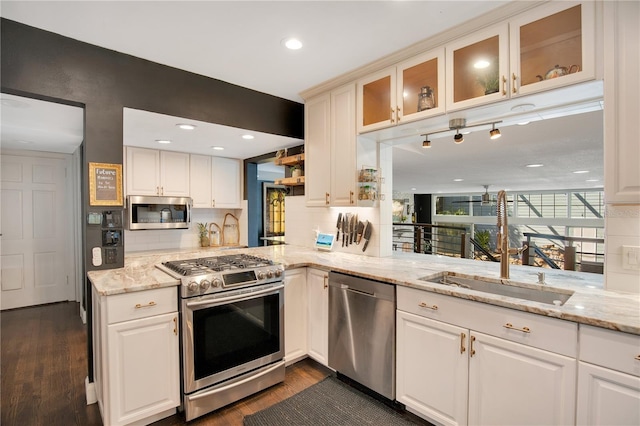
[[590, 303]]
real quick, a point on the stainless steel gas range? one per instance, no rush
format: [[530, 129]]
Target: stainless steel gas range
[[232, 322]]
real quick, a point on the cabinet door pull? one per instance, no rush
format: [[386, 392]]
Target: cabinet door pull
[[511, 327], [392, 111], [398, 114], [513, 88], [462, 337], [504, 85], [350, 197], [162, 190], [326, 198], [157, 190], [175, 326], [213, 203], [325, 280], [432, 307], [148, 305], [473, 351]]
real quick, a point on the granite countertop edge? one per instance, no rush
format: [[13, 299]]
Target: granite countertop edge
[[590, 304]]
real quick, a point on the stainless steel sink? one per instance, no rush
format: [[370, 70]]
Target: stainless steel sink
[[534, 293]]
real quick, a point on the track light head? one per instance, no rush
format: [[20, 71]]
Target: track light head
[[426, 143], [458, 138], [494, 133]]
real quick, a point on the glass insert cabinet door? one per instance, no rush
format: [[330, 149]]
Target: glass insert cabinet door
[[408, 91], [420, 86], [553, 45], [477, 68]]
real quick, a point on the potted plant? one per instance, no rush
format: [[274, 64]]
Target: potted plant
[[203, 234], [296, 170]]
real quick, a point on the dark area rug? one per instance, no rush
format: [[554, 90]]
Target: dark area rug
[[330, 402]]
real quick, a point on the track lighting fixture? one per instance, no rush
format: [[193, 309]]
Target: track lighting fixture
[[461, 123], [427, 142], [494, 133]]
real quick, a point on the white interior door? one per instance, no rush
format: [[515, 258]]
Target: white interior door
[[36, 231]]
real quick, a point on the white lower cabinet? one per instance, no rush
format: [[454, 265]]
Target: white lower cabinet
[[462, 362], [511, 384], [608, 377], [136, 356], [295, 315], [318, 314], [432, 368]]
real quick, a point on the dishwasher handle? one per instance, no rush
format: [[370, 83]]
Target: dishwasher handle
[[355, 290]]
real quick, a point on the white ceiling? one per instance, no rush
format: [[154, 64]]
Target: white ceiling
[[239, 42]]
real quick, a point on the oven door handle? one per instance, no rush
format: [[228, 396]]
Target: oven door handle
[[234, 384], [243, 296]]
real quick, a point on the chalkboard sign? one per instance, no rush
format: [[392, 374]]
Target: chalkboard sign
[[105, 184]]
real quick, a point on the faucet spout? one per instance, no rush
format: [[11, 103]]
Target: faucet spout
[[502, 239]]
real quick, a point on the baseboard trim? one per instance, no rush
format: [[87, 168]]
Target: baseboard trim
[[90, 391]]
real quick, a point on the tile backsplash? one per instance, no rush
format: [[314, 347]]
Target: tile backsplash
[[183, 238]]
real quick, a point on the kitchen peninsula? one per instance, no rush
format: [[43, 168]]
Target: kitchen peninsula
[[590, 304], [566, 336]]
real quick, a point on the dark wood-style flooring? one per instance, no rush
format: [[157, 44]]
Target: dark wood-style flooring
[[44, 365]]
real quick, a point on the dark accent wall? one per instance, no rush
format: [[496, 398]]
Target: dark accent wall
[[43, 65]]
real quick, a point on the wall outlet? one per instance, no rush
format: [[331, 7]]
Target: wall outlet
[[631, 257]]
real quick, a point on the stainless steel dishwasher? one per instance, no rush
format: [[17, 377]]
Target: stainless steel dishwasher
[[362, 331]]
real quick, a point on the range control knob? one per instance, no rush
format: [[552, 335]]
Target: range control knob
[[278, 273], [192, 286], [204, 285], [261, 275], [269, 274], [216, 282]]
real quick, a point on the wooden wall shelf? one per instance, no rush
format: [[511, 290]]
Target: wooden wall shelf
[[290, 181], [291, 160]]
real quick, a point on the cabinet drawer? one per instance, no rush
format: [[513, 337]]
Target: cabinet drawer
[[611, 349], [542, 332], [140, 304]]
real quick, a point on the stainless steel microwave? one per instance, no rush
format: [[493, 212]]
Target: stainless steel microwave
[[147, 212]]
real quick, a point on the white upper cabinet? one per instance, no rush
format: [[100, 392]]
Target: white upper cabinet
[[215, 182], [330, 148], [622, 102], [174, 174], [477, 68], [409, 91], [343, 147], [225, 183], [551, 46], [153, 172], [200, 185], [317, 147]]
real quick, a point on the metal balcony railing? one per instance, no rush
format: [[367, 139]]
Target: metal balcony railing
[[430, 239], [573, 254]]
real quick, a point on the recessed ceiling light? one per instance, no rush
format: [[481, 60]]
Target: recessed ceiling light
[[248, 137], [413, 189], [218, 148], [25, 142], [592, 180], [458, 180], [292, 43], [579, 172], [185, 126], [165, 141], [482, 63], [534, 165], [524, 123]]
